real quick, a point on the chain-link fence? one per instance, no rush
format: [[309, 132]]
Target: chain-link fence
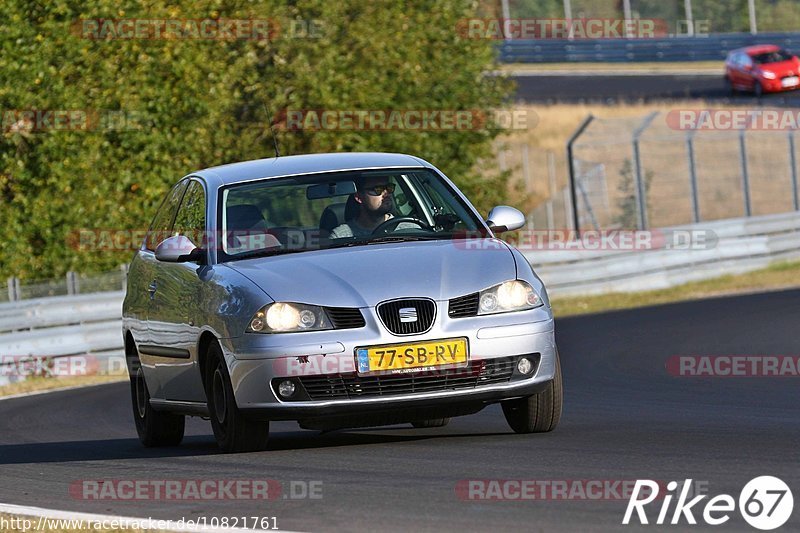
[[643, 172], [71, 283], [707, 16]]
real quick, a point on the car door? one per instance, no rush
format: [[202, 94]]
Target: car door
[[148, 272], [174, 329], [748, 79]]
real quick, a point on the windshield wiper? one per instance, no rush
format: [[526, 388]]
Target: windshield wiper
[[267, 252], [388, 239]]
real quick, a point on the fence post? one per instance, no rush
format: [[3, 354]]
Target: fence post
[[793, 163], [745, 174], [124, 268], [693, 177], [573, 194], [687, 6], [641, 189], [72, 283], [526, 166], [551, 187], [13, 295]]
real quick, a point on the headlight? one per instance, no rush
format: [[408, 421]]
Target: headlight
[[281, 317], [514, 295], [769, 75]]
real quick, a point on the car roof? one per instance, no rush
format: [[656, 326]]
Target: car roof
[[307, 164], [760, 49]]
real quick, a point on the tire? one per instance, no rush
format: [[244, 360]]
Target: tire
[[234, 432], [730, 90], [758, 89], [431, 423], [155, 428], [540, 412]]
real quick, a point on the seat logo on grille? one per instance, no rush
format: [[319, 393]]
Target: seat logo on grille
[[408, 314]]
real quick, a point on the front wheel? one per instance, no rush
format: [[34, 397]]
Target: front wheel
[[540, 412], [155, 428], [234, 432], [730, 90]]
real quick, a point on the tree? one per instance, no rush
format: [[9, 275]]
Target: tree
[[186, 104]]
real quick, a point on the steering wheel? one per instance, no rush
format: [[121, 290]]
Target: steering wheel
[[393, 222]]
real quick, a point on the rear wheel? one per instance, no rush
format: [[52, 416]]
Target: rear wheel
[[234, 432], [155, 428], [431, 423], [540, 412]]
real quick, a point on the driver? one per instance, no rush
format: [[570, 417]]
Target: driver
[[374, 195]]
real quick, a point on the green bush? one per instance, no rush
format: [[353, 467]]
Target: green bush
[[199, 103]]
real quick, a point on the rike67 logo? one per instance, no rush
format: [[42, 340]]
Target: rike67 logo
[[765, 503]]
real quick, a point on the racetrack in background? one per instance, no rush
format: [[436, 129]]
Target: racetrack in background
[[610, 88]]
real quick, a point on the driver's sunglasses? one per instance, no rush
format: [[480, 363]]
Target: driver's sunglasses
[[380, 189]]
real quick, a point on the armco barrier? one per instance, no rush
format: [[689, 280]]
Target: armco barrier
[[740, 245], [701, 48], [90, 323]]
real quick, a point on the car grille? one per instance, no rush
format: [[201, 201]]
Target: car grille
[[349, 386], [390, 315], [464, 306], [345, 317]]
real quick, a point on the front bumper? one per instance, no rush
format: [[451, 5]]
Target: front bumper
[[254, 360]]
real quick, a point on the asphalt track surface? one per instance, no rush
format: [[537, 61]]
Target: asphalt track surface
[[610, 89], [624, 418]]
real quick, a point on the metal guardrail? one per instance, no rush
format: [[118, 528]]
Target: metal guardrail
[[701, 48], [740, 245]]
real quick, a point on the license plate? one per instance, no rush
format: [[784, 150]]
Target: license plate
[[412, 357], [790, 82]]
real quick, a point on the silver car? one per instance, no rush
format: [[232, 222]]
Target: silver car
[[337, 290]]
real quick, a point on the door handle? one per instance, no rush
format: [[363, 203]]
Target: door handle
[[152, 289]]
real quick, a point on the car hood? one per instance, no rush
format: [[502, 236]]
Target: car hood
[[362, 276], [784, 68]]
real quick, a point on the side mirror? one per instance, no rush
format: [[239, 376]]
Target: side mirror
[[504, 218], [178, 249]]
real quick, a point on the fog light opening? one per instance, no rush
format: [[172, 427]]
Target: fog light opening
[[286, 388], [524, 365]]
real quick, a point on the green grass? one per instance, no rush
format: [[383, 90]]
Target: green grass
[[775, 277]]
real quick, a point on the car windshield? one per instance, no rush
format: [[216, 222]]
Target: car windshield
[[321, 211], [777, 56]]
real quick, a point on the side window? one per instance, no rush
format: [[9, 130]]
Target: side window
[[162, 222], [191, 219]]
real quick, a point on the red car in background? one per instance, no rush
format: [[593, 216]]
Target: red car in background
[[762, 69]]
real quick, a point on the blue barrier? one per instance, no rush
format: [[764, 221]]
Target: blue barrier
[[706, 48]]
